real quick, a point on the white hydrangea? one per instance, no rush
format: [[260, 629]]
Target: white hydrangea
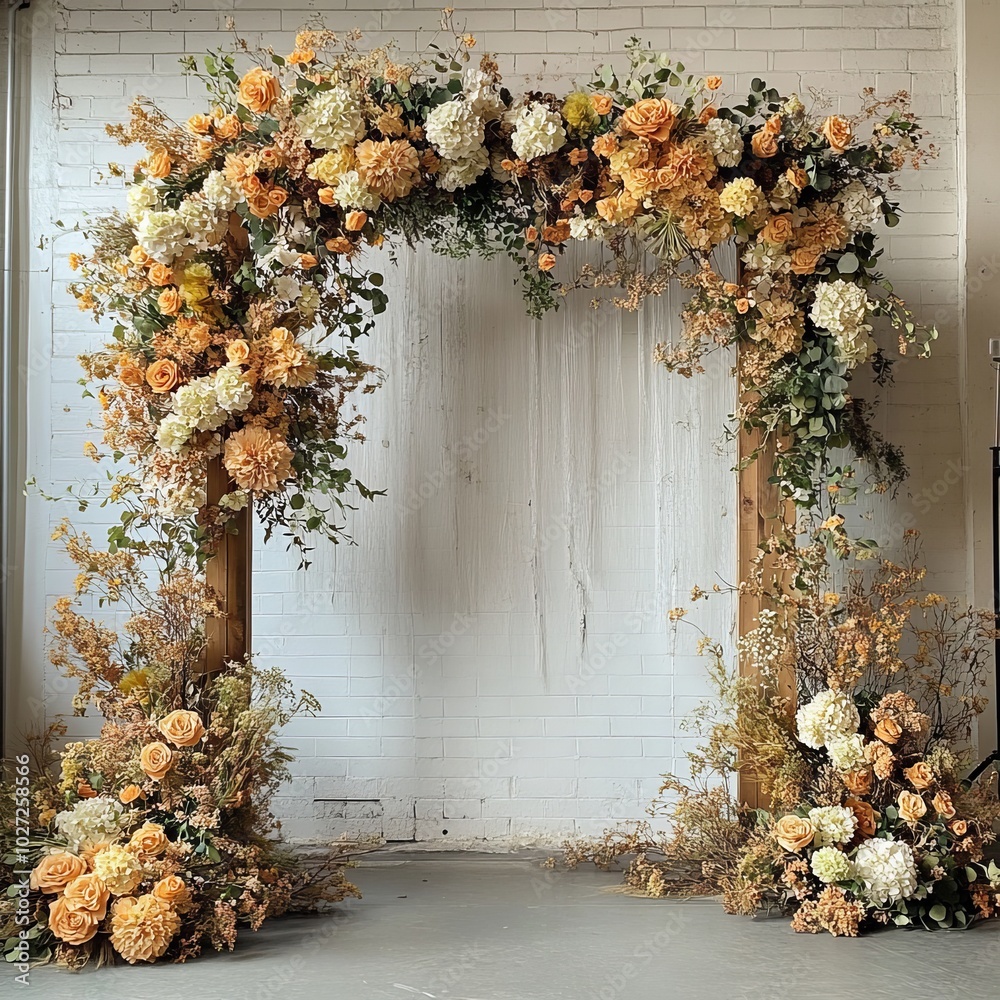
[[847, 753], [483, 94], [841, 307], [162, 235], [352, 192], [234, 501], [197, 404], [332, 118], [142, 198], [455, 174], [202, 220], [182, 499], [99, 818], [887, 871], [173, 433], [769, 257], [857, 207], [784, 195], [232, 389], [455, 130], [582, 227], [831, 865], [309, 300], [220, 192], [833, 825], [538, 131], [724, 141], [829, 716], [286, 288]]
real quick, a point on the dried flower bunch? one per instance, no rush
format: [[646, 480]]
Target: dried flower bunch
[[238, 280], [870, 821]]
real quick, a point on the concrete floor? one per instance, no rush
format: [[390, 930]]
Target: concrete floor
[[502, 928]]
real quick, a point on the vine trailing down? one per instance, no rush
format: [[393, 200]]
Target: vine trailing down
[[238, 284]]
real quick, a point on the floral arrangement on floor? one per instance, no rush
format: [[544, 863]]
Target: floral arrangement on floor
[[238, 280], [870, 822], [156, 838]]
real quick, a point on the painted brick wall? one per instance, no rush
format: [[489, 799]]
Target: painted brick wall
[[493, 658]]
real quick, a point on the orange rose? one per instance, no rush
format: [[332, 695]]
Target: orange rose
[[307, 261], [258, 90], [804, 260], [797, 177], [156, 759], [773, 125], [865, 815], [959, 827], [764, 144], [69, 925], [129, 794], [779, 229], [300, 56], [163, 375], [601, 103], [150, 840], [158, 164], [837, 131], [169, 301], [172, 890], [88, 892], [911, 806], [160, 274], [355, 221], [858, 782], [713, 82], [237, 352], [182, 727], [793, 833], [546, 262], [131, 375], [888, 730], [326, 196], [138, 256], [228, 127], [919, 775], [199, 124], [651, 118], [943, 805], [708, 113], [55, 871], [261, 205], [278, 196]]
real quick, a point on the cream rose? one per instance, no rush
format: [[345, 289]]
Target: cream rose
[[911, 806], [793, 833], [55, 871], [182, 727], [156, 759]]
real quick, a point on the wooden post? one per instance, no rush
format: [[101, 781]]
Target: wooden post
[[229, 573]]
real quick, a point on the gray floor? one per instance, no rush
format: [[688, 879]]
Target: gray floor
[[500, 928]]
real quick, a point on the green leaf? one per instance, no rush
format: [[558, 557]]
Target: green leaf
[[848, 263], [937, 912]]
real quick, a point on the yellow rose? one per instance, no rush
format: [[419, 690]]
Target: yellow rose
[[919, 775], [258, 90], [182, 727], [150, 840], [764, 144], [804, 260], [172, 890], [911, 806], [69, 925], [888, 730], [88, 892], [163, 375], [156, 760], [943, 805], [837, 131], [793, 833], [779, 229], [55, 871], [237, 352], [651, 118]]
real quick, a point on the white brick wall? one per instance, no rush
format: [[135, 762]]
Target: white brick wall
[[460, 689]]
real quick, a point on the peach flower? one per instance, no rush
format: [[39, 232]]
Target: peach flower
[[199, 124], [919, 775], [88, 892], [160, 274], [888, 730], [326, 196], [546, 262], [131, 375], [743, 306], [258, 90], [797, 177], [237, 352], [713, 82], [837, 131], [911, 806], [73, 926], [55, 871], [129, 794], [156, 759], [858, 782], [158, 164], [601, 103], [138, 256], [173, 890], [804, 260], [764, 144], [228, 127], [163, 375], [169, 301], [307, 261], [779, 229], [355, 221], [149, 840], [959, 827], [182, 727], [651, 118], [943, 805], [793, 833], [865, 815], [258, 459]]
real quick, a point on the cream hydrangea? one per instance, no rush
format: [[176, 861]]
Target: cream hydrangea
[[181, 498], [455, 130], [220, 192], [203, 222], [829, 716], [332, 118], [847, 753], [173, 433], [330, 167], [455, 174], [96, 819], [724, 141], [857, 207], [162, 235], [352, 192], [482, 94], [197, 404], [119, 869], [833, 825], [538, 131], [841, 307], [831, 865], [141, 198], [582, 227], [887, 871], [233, 389], [741, 197]]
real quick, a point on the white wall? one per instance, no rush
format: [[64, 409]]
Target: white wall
[[493, 657]]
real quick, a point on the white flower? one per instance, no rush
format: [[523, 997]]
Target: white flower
[[784, 195], [234, 501], [180, 499], [162, 235], [142, 198], [218, 191], [286, 288], [455, 130], [847, 753], [352, 192], [857, 207], [841, 307], [173, 433], [197, 404], [582, 227], [887, 871], [724, 141], [204, 224], [332, 118], [833, 825], [538, 131], [96, 819], [483, 95], [764, 256], [232, 389], [829, 716], [455, 174], [830, 865], [308, 300]]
